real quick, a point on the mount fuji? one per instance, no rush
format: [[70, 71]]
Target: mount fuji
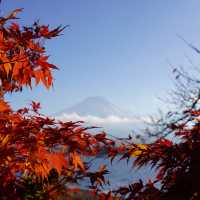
[[98, 111], [95, 106]]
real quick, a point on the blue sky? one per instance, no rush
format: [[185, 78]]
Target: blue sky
[[118, 49]]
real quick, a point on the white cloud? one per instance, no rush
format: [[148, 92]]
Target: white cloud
[[95, 120], [114, 125]]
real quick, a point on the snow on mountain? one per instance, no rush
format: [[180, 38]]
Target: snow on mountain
[[98, 111], [95, 106]]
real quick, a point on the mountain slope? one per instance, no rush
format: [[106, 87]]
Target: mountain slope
[[97, 111], [95, 106]]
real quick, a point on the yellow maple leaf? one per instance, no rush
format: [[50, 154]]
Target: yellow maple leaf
[[136, 151], [7, 67], [76, 160], [4, 140]]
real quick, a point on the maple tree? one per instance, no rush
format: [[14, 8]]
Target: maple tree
[[41, 157], [38, 155], [174, 152]]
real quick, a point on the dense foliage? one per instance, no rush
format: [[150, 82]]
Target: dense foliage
[[38, 155], [41, 157]]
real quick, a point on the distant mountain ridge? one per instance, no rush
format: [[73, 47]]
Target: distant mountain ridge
[[98, 111], [96, 106]]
